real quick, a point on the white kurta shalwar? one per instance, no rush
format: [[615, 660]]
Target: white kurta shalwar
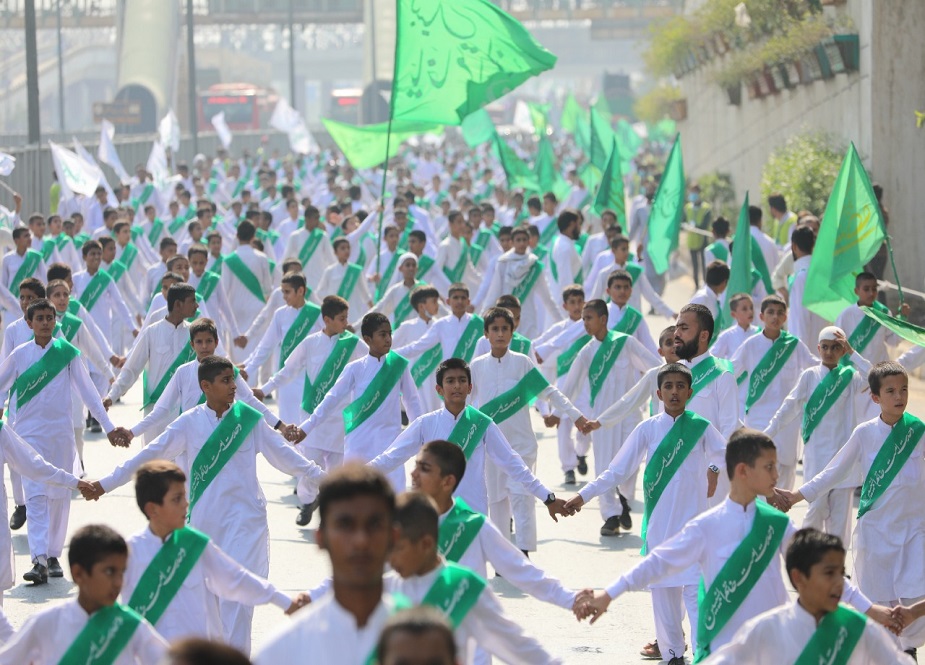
[[564, 255], [539, 309], [155, 349], [359, 298], [109, 305], [446, 330], [408, 332], [321, 258], [448, 254], [876, 350], [246, 305]]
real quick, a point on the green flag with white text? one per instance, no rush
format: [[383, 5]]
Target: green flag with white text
[[850, 234], [610, 194], [364, 145], [452, 58], [667, 211]]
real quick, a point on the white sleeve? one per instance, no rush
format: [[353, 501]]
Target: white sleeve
[[652, 297], [134, 364], [631, 401], [839, 469], [511, 463], [622, 466], [271, 340], [165, 409], [402, 448], [23, 459], [501, 637], [228, 579], [792, 406]]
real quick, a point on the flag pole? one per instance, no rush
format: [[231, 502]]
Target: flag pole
[[388, 140], [899, 287]]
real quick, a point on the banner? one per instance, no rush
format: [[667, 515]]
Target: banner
[[74, 175], [107, 154], [169, 131], [221, 128]]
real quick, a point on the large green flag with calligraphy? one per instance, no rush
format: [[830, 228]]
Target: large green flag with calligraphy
[[364, 145], [610, 194], [851, 232], [667, 211], [452, 58]]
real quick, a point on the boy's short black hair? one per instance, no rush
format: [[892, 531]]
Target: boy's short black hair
[[875, 378], [178, 293], [211, 367], [92, 543], [738, 298], [246, 232], [34, 285], [450, 458], [166, 242], [352, 480], [153, 479], [295, 279], [666, 335], [58, 270], [509, 301], [744, 447], [418, 235], [416, 516], [21, 231], [703, 314], [807, 549], [674, 368], [452, 363], [90, 245], [203, 325], [340, 241], [804, 238], [37, 305], [772, 299], [493, 313], [197, 249], [197, 651], [618, 241], [420, 294], [864, 276], [333, 305], [372, 322], [566, 218], [572, 291], [717, 273], [619, 276], [118, 226], [416, 621], [457, 287], [533, 230], [720, 227], [598, 306]]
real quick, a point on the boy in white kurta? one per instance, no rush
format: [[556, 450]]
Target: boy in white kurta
[[621, 315], [368, 395], [346, 280], [815, 627], [889, 537], [396, 301], [830, 400], [683, 454], [247, 283], [176, 574], [425, 301], [97, 291], [605, 368], [868, 337], [504, 383], [79, 628], [311, 246], [226, 501], [772, 362], [457, 333]]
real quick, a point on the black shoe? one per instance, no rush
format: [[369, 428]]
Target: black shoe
[[570, 477], [677, 660], [38, 575], [583, 464], [625, 520], [611, 526], [305, 514], [912, 652], [95, 427], [18, 518], [54, 568]]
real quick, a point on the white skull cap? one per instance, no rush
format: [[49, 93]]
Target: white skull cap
[[829, 334]]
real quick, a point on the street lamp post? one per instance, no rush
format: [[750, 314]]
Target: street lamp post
[[60, 68], [191, 74]]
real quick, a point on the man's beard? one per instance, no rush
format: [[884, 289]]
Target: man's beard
[[688, 350]]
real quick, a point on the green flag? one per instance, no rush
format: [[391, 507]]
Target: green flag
[[602, 106], [662, 131], [547, 174], [610, 195], [590, 176], [518, 173], [667, 211], [851, 232], [538, 115], [602, 138], [583, 132], [452, 58], [901, 327], [628, 140], [740, 276], [570, 113], [364, 145], [477, 128]]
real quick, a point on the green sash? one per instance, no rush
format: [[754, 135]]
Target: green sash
[[330, 371], [719, 250], [549, 232], [61, 240], [80, 239], [361, 257], [48, 247], [105, 636], [207, 284], [298, 331], [761, 266], [70, 324], [479, 244], [403, 241], [217, 264], [634, 269], [894, 452], [824, 397], [166, 573], [465, 347], [426, 364], [511, 401], [129, 254], [31, 382], [678, 443], [567, 357], [525, 287], [864, 332], [769, 367], [469, 429], [425, 263], [627, 325], [30, 262], [459, 529], [386, 277], [705, 372], [520, 344], [604, 359], [455, 274], [116, 270], [245, 275], [310, 245], [455, 591], [388, 376], [224, 442], [177, 224], [403, 308], [157, 228], [95, 289], [186, 355], [739, 575], [835, 638], [348, 284]]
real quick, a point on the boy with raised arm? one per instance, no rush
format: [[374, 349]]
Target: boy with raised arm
[[682, 453], [867, 336], [218, 443], [93, 627], [457, 333], [471, 430]]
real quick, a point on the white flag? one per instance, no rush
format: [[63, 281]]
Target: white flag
[[157, 165], [74, 175], [169, 131], [7, 163], [287, 119], [221, 128], [107, 151], [522, 119], [91, 164]]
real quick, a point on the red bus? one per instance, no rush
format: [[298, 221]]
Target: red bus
[[345, 105], [246, 106]]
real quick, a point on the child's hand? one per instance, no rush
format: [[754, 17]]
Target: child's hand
[[712, 479], [298, 603], [557, 507], [886, 617], [551, 421], [593, 608], [574, 504]]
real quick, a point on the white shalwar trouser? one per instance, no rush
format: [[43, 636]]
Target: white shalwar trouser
[[668, 605], [47, 526]]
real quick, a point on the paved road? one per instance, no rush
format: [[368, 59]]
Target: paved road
[[572, 550]]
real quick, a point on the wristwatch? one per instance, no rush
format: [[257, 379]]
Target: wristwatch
[[714, 468], [549, 499]]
